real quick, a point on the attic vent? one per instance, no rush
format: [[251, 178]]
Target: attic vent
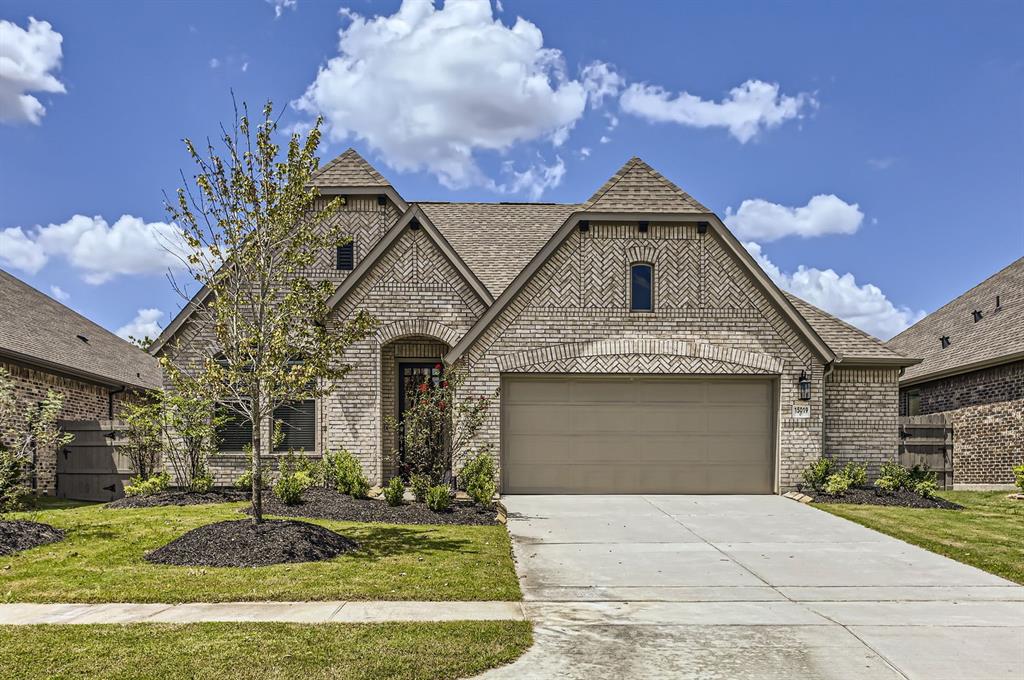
[[642, 227], [977, 315], [997, 302], [345, 257], [382, 200], [82, 338], [944, 341]]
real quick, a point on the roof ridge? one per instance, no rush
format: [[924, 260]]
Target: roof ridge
[[611, 182], [354, 162], [835, 318], [671, 185]]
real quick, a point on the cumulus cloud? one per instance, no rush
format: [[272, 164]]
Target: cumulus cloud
[[59, 293], [750, 108], [535, 180], [864, 306], [600, 80], [99, 250], [146, 323], [281, 5], [27, 57], [760, 220], [430, 88]]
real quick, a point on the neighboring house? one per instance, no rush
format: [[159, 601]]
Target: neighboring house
[[973, 373], [44, 345], [637, 346]]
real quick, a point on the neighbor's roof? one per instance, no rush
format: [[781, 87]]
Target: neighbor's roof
[[348, 170], [36, 329], [997, 337], [637, 187], [848, 342], [496, 240]]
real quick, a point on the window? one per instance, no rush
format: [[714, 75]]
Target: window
[[298, 425], [234, 434], [346, 256], [640, 280], [914, 403]]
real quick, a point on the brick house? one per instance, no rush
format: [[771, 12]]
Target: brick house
[[45, 345], [636, 344], [973, 373]]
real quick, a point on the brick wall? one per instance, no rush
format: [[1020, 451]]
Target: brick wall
[[82, 401], [861, 423], [987, 386]]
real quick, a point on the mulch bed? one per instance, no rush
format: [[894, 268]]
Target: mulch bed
[[240, 543], [322, 503], [166, 498], [21, 535], [868, 496]]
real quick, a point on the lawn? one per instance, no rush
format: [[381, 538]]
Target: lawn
[[229, 650], [988, 533], [101, 561]]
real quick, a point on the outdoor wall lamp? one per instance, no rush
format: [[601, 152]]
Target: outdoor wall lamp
[[804, 383]]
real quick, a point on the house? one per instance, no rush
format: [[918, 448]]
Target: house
[[973, 373], [47, 346], [634, 344]]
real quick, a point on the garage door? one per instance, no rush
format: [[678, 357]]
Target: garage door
[[636, 434]]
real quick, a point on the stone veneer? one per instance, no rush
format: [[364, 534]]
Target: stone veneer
[[861, 423]]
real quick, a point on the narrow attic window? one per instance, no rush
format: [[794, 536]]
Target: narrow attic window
[[346, 257], [977, 315], [944, 341], [641, 277]]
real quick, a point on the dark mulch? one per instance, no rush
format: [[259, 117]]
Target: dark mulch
[[869, 496], [329, 504], [240, 543], [165, 498], [21, 535]]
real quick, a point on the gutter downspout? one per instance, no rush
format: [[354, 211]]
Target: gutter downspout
[[110, 400]]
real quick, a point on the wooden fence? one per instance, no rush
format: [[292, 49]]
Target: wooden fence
[[928, 440], [91, 467]]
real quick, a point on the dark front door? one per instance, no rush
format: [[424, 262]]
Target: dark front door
[[410, 376]]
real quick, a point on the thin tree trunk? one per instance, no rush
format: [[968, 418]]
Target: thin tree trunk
[[257, 470]]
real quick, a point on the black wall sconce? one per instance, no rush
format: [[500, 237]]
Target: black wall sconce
[[804, 383]]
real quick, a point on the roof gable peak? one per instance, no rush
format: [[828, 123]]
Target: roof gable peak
[[348, 170], [637, 187]]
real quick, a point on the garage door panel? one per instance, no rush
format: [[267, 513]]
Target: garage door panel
[[668, 420], [740, 418], [674, 391], [599, 418], [612, 390], [538, 390], [738, 392], [534, 419]]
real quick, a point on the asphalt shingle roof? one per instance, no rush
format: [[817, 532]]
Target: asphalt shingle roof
[[998, 334], [348, 170], [35, 328], [637, 187], [496, 240], [848, 341]]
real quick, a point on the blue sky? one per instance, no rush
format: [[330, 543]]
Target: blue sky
[[906, 120]]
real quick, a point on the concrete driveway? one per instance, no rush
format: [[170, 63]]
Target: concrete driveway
[[751, 587]]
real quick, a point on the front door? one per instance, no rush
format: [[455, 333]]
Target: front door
[[411, 375]]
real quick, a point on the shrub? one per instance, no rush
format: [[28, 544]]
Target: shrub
[[244, 481], [394, 491], [892, 477], [350, 477], [202, 484], [926, 488], [856, 473], [817, 473], [420, 485], [917, 474], [14, 491], [289, 489], [837, 484], [1018, 476], [137, 486], [478, 478], [439, 498], [887, 485]]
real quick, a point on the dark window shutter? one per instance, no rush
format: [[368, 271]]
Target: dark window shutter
[[234, 434], [346, 257], [298, 425]]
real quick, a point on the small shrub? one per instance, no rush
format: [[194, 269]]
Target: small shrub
[[14, 491], [289, 489], [202, 484], [420, 485], [817, 473], [837, 485], [137, 486], [350, 477], [926, 488], [887, 485], [892, 477], [478, 477], [439, 498], [1018, 476], [394, 492], [917, 474], [856, 473], [244, 481]]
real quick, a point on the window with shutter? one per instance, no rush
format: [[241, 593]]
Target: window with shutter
[[298, 425], [234, 434], [347, 256]]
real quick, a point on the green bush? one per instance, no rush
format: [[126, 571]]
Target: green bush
[[349, 473], [14, 491], [856, 473], [892, 477], [244, 481], [926, 488], [837, 484], [1018, 476], [137, 486], [420, 485], [202, 484], [917, 474], [439, 498], [887, 485], [479, 479], [817, 473], [394, 491], [289, 489]]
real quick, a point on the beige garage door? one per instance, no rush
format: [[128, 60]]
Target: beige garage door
[[636, 434]]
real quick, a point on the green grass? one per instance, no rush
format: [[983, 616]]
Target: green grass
[[988, 533], [261, 650], [101, 560]]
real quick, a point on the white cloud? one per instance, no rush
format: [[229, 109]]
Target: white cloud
[[762, 220], [535, 180], [600, 80], [245, 66], [584, 152], [214, 62], [144, 324], [605, 139], [429, 88], [281, 5], [99, 250], [751, 107], [26, 59], [59, 293], [864, 306]]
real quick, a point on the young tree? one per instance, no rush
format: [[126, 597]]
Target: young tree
[[252, 225], [143, 433], [191, 421]]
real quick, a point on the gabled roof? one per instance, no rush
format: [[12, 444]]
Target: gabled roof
[[997, 337], [637, 187], [348, 170], [497, 240], [36, 329], [849, 342]]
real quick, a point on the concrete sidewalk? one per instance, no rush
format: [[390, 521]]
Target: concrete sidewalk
[[288, 612]]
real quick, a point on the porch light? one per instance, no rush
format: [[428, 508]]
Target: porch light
[[804, 383]]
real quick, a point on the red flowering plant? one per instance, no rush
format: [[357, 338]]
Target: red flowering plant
[[439, 424]]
